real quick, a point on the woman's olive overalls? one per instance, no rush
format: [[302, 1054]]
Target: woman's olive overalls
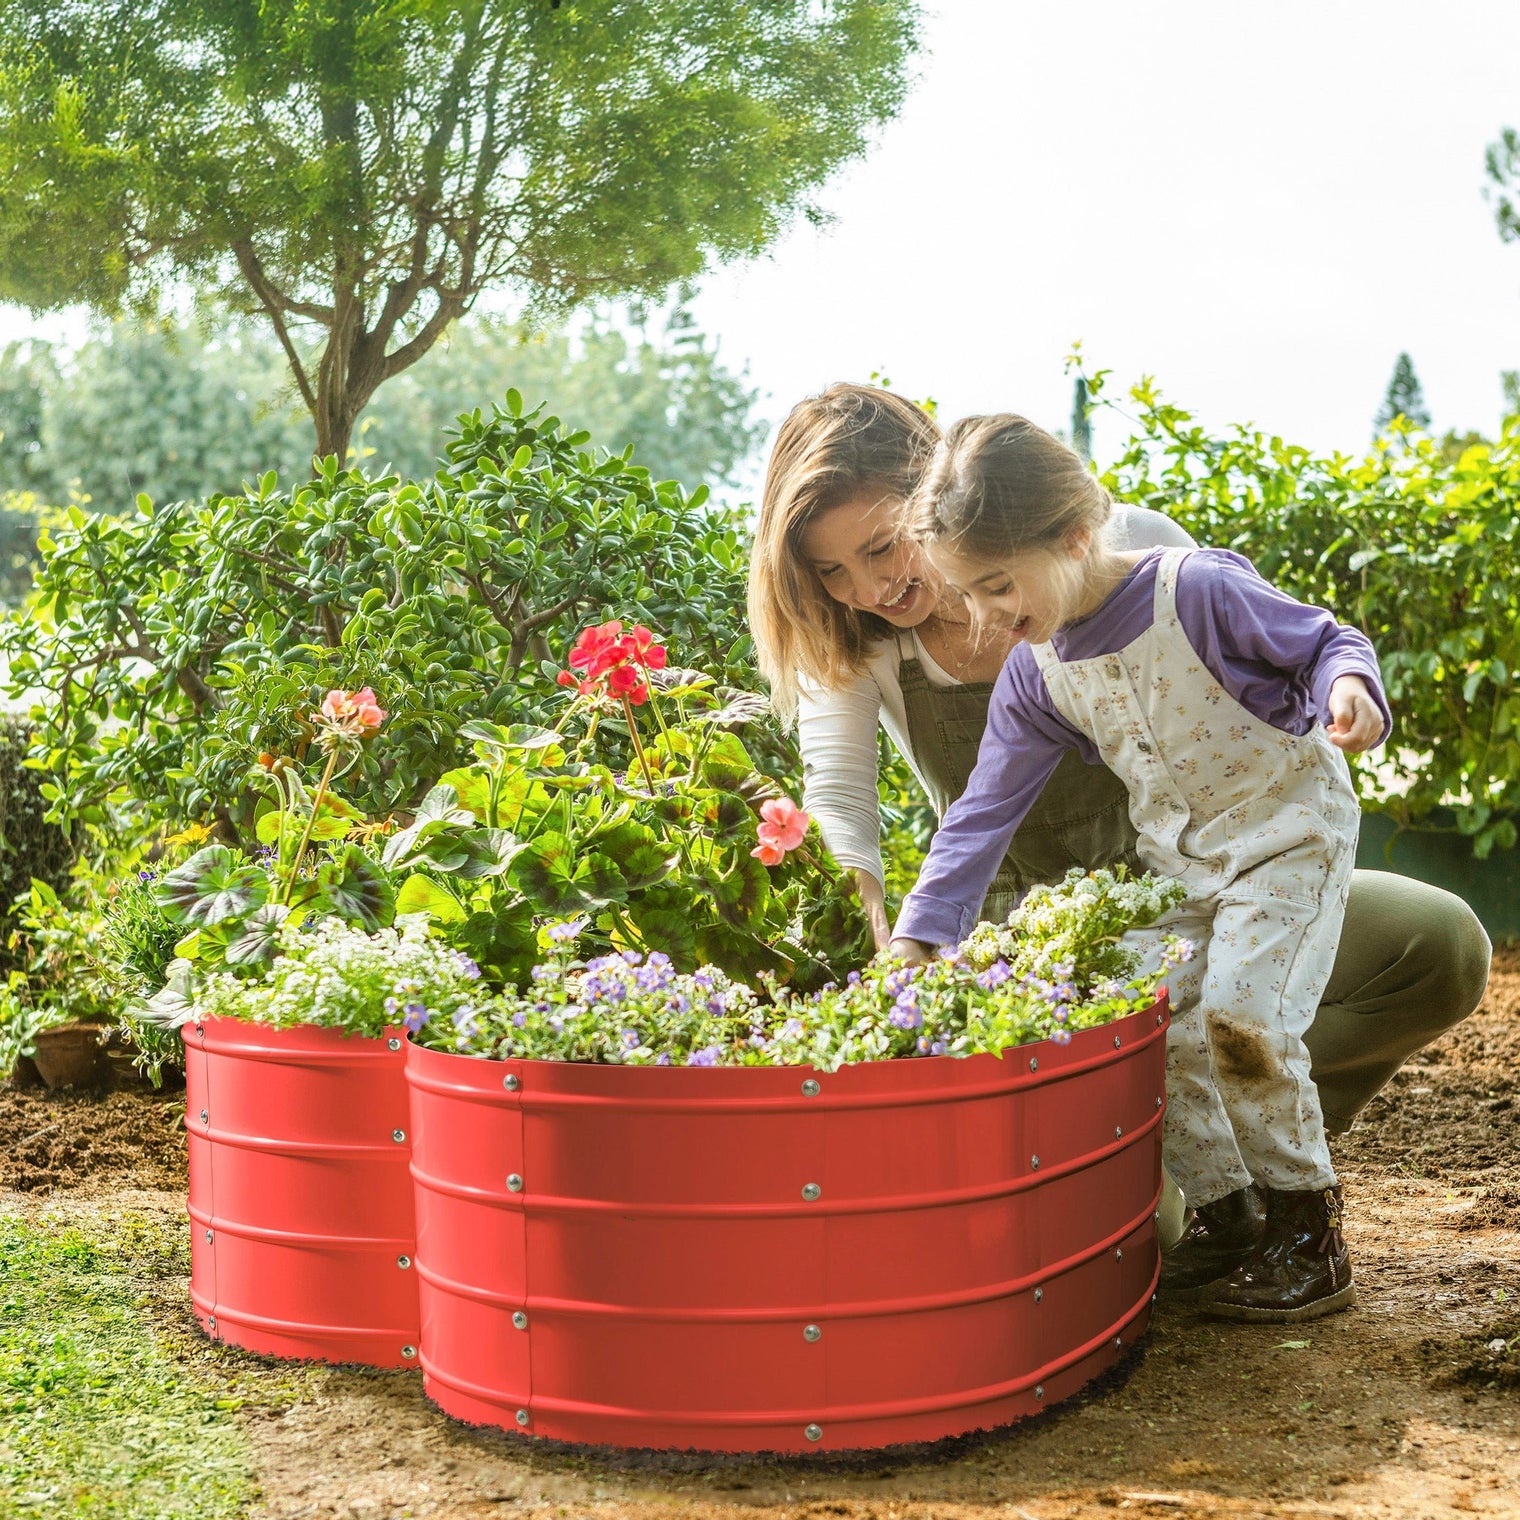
[[1080, 819]]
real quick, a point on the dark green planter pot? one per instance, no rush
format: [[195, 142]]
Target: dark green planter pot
[[1490, 887]]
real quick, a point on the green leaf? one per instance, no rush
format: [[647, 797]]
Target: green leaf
[[487, 852], [356, 889], [421, 894], [258, 940], [211, 886]]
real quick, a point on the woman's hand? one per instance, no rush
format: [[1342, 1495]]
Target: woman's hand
[[1356, 721], [914, 952]]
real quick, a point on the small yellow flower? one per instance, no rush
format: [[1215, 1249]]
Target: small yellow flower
[[192, 833]]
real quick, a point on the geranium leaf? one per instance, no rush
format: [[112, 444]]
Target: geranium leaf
[[356, 889], [421, 894], [486, 852], [258, 941], [212, 885]]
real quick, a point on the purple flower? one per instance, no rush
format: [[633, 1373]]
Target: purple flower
[[563, 933], [657, 958], [938, 1048], [663, 1059], [1061, 1036], [853, 979], [791, 1029], [994, 976], [520, 1017], [708, 1056], [703, 976], [390, 1005], [631, 1040], [467, 966], [417, 1014], [631, 957], [923, 1045], [715, 1007], [757, 1040], [145, 875]]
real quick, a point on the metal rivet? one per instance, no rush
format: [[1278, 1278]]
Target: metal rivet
[[1039, 1293], [1118, 1132], [812, 1192], [1039, 1390], [409, 1352], [208, 1237], [1158, 1102], [810, 1088], [812, 1333], [511, 1081], [519, 1320], [398, 1135], [393, 1043], [1119, 1342], [1034, 1163], [1153, 1298], [1118, 1253], [1158, 1021], [1156, 1217], [1034, 1063], [514, 1183], [814, 1432], [1117, 1042], [522, 1416], [403, 1262], [200, 1029], [205, 1117], [211, 1322]]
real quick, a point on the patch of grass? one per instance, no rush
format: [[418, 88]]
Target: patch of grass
[[99, 1420]]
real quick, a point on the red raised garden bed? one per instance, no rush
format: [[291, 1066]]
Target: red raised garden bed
[[771, 1258], [300, 1202]]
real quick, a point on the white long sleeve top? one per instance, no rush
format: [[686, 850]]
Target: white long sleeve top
[[836, 730]]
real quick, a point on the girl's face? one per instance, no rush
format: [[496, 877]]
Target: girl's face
[[1027, 596], [861, 559]]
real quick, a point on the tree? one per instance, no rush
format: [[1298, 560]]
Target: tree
[[1404, 398], [357, 171], [1502, 161], [183, 414]]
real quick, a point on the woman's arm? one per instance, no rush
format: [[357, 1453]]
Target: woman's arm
[[837, 734]]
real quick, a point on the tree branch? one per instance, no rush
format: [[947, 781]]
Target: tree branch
[[272, 302]]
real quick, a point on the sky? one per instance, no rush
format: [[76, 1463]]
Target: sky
[[1258, 204]]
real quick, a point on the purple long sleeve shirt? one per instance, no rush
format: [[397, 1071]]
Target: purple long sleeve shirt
[[1276, 656]]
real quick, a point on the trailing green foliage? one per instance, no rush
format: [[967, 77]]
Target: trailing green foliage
[[1418, 549], [176, 644], [97, 1416]]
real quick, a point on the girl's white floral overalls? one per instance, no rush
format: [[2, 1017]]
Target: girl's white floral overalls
[[1261, 827]]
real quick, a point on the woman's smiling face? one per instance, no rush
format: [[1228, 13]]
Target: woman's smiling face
[[862, 559]]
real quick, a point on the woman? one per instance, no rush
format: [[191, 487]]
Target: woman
[[853, 636]]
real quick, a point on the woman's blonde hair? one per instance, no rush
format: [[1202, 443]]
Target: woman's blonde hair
[[999, 487], [832, 448]]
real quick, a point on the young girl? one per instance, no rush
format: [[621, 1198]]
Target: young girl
[[1203, 689]]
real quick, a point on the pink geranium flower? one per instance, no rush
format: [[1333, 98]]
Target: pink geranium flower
[[783, 827], [347, 715]]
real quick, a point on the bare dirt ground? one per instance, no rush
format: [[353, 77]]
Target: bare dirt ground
[[1409, 1406]]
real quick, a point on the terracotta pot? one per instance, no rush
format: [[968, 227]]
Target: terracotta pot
[[777, 1259], [300, 1202], [68, 1055]]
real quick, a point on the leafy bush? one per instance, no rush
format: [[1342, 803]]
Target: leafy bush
[[31, 848], [1418, 549], [173, 645]]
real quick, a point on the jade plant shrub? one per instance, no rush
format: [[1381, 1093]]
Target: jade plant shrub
[[1058, 965], [31, 847], [660, 834], [171, 646], [1419, 549]]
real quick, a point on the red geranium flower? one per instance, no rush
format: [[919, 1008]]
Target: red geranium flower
[[783, 827]]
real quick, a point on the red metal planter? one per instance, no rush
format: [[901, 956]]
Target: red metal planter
[[300, 1203], [776, 1259]]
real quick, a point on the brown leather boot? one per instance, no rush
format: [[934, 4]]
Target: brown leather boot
[[1301, 1269], [1221, 1236]]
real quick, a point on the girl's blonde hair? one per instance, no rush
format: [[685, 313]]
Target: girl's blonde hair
[[832, 448], [999, 487]]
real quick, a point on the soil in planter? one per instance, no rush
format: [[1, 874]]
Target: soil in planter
[[67, 1139]]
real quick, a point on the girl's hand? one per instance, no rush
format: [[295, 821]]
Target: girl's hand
[[1356, 721], [913, 952]]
